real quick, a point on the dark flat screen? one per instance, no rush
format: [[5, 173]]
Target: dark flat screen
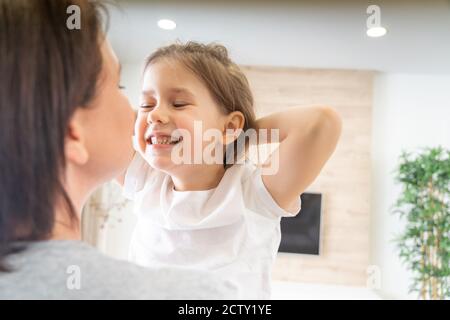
[[301, 234]]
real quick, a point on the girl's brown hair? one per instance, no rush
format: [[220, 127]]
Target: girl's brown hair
[[224, 79]]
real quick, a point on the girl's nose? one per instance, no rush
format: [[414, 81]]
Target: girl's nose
[[158, 115]]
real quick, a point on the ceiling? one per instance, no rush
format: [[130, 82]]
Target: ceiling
[[311, 34]]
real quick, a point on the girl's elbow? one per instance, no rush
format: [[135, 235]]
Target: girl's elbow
[[329, 119]]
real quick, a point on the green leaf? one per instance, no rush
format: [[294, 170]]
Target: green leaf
[[424, 205]]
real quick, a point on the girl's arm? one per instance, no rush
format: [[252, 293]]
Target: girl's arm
[[308, 137]]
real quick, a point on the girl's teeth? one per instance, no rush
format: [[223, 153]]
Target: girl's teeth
[[163, 140]]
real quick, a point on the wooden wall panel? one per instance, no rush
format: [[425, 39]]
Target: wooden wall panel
[[345, 179]]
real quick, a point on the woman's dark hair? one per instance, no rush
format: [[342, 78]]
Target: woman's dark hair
[[47, 71]]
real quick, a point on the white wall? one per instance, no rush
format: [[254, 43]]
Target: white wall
[[131, 79], [409, 111]]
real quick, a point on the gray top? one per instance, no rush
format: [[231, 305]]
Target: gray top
[[75, 270]]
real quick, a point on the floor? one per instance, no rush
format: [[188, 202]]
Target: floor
[[306, 291]]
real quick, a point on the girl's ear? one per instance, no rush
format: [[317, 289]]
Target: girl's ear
[[75, 149], [234, 123]]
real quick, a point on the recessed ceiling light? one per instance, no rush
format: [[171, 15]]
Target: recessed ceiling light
[[167, 24], [376, 32]]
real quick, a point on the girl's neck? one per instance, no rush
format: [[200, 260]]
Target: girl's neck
[[198, 177]]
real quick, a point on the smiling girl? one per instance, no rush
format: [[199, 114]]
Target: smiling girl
[[216, 216]]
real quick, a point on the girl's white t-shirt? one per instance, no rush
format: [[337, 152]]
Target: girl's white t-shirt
[[233, 229]]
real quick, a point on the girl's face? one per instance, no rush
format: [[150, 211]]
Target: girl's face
[[173, 98]]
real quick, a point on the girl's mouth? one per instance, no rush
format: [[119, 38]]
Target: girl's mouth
[[163, 140]]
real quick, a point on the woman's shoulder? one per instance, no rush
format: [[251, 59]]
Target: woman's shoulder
[[75, 270]]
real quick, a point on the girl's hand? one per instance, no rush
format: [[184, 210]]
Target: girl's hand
[[308, 137]]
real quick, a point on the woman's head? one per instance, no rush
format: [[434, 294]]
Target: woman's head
[[64, 124], [188, 83]]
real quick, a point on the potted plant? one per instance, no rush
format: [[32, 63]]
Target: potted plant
[[424, 245]]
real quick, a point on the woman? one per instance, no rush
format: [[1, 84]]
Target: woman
[[65, 128]]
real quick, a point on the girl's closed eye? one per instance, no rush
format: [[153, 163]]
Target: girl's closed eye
[[180, 104], [146, 107], [147, 104]]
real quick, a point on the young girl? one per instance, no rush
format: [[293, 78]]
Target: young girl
[[211, 215]]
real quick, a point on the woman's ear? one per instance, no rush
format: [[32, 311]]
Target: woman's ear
[[234, 123], [75, 148]]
